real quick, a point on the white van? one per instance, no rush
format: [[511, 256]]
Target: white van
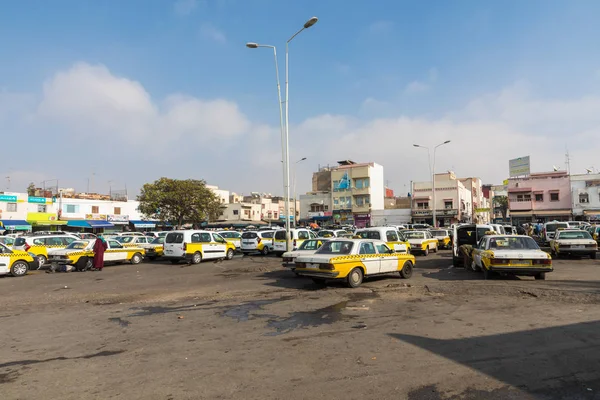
[[550, 229], [297, 235], [195, 246], [257, 241], [499, 229]]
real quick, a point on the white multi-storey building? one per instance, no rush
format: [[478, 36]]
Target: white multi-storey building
[[585, 196]]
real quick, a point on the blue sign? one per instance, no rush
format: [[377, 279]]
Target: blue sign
[[38, 200], [5, 197]]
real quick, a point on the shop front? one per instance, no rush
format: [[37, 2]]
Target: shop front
[[15, 225], [343, 217], [592, 215], [121, 222], [322, 218], [362, 220], [140, 226], [91, 226], [44, 221]]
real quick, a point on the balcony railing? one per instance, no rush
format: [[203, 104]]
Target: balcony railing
[[359, 191], [361, 208]]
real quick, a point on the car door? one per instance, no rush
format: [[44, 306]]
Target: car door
[[219, 245], [208, 247], [477, 253], [393, 241], [115, 251], [5, 253], [388, 258], [369, 257]]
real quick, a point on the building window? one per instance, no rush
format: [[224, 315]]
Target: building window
[[539, 197], [336, 202], [325, 208], [274, 215], [71, 208], [236, 212], [361, 183], [95, 209], [360, 201], [584, 198], [423, 205], [554, 196], [523, 197], [448, 205], [117, 211], [41, 208], [11, 207]]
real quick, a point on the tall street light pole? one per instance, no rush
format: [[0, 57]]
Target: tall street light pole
[[286, 163], [281, 127], [432, 173], [296, 201]]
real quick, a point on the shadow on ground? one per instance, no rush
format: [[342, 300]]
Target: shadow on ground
[[550, 363]]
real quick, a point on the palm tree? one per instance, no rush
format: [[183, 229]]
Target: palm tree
[[501, 202]]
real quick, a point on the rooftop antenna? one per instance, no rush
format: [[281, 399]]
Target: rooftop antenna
[[555, 168], [567, 161], [7, 182]]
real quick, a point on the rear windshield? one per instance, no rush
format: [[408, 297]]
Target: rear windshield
[[249, 235], [574, 235], [554, 227], [439, 233], [326, 233], [368, 235], [174, 237], [19, 241], [159, 240], [337, 247], [280, 235], [267, 235], [513, 243]]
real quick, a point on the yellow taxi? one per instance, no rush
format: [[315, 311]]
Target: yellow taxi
[[15, 262], [443, 238], [40, 245], [232, 237], [196, 245], [422, 242], [510, 254], [353, 259], [394, 239], [155, 248], [80, 254]]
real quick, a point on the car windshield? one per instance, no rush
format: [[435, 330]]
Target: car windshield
[[337, 247], [159, 240], [414, 235], [574, 235], [125, 239], [439, 233], [554, 227], [513, 243], [368, 235], [326, 233], [78, 245], [249, 235], [280, 235], [312, 244]]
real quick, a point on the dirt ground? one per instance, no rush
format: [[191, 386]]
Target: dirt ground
[[247, 329]]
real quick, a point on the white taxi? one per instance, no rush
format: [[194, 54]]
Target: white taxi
[[421, 241]]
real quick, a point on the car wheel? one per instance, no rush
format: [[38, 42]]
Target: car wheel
[[407, 270], [426, 252], [19, 268], [43, 260], [197, 258], [593, 255], [265, 251], [355, 278], [174, 261], [137, 258], [540, 277], [229, 254]]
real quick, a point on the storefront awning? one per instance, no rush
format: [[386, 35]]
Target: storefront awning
[[90, 224], [15, 225], [552, 212], [520, 214], [143, 224], [591, 212], [44, 219]]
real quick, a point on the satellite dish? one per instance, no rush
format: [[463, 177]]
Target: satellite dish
[[555, 168], [589, 171]]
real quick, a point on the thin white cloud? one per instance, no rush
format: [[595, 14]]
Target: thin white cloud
[[433, 74], [184, 7], [379, 27], [212, 33], [416, 87]]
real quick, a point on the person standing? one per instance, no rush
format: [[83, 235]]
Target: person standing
[[99, 247]]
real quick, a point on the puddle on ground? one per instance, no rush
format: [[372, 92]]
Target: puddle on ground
[[122, 322], [308, 319], [241, 312]]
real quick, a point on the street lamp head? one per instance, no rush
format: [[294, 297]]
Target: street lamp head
[[446, 142], [303, 158], [251, 45], [416, 145], [310, 22]]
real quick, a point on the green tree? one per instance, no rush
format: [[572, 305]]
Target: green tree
[[31, 189], [179, 201], [502, 203]]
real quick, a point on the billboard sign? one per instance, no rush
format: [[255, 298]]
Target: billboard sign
[[519, 167]]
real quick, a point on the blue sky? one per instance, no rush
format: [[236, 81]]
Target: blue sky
[[168, 88]]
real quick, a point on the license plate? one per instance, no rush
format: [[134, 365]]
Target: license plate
[[578, 246], [168, 251], [310, 265], [521, 263], [248, 242]]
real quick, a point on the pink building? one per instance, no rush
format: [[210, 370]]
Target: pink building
[[540, 197]]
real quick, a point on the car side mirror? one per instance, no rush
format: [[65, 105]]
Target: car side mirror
[[391, 251]]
